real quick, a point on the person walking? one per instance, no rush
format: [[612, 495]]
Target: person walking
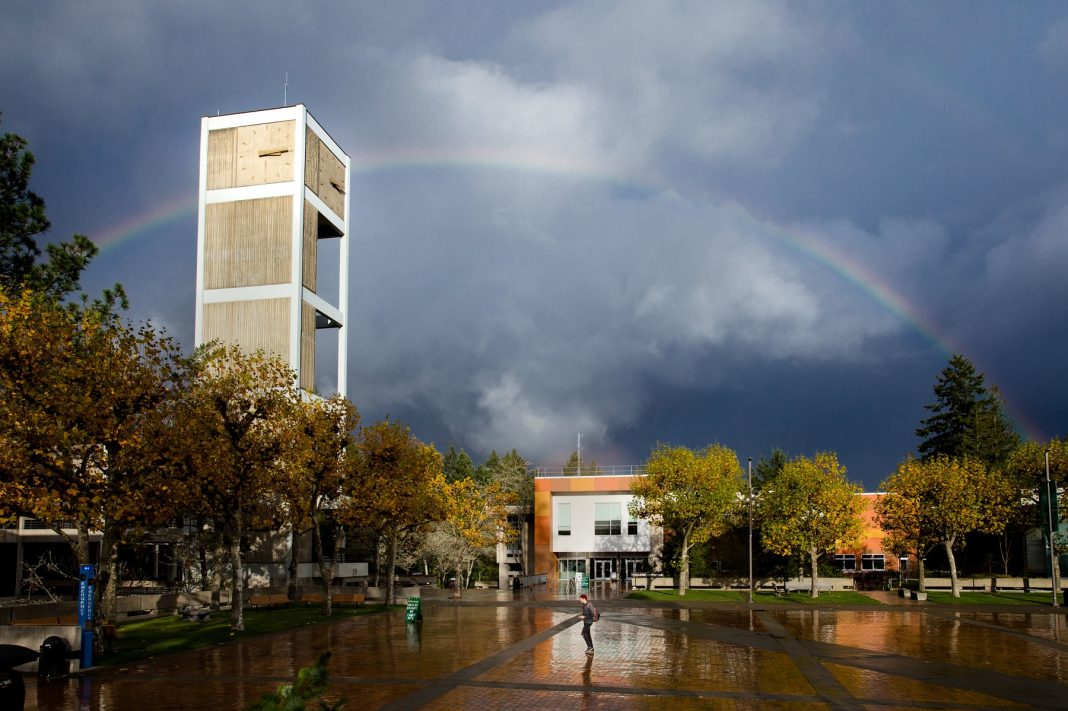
[[587, 621]]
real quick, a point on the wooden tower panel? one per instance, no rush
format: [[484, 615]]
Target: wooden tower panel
[[222, 158], [324, 173], [311, 245], [247, 243], [264, 153], [307, 346], [331, 181], [261, 324]]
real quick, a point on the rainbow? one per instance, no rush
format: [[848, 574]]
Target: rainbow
[[145, 222], [890, 299], [805, 243]]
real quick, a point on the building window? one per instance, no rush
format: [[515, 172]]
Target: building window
[[608, 520], [846, 561], [563, 519], [632, 527], [873, 561]]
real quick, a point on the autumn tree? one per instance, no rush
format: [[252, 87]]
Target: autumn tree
[[394, 488], [1028, 462], [313, 481], [691, 494], [938, 500], [233, 426], [967, 418], [809, 509], [475, 517], [83, 402]]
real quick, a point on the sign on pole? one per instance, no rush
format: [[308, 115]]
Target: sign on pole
[[414, 611], [85, 613]]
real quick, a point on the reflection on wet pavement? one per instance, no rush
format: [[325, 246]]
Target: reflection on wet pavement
[[527, 653]]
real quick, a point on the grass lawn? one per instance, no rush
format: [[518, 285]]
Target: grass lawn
[[985, 598], [167, 634], [838, 597]]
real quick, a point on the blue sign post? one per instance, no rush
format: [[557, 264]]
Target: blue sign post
[[85, 613]]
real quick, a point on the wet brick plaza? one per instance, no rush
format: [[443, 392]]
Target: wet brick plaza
[[491, 651]]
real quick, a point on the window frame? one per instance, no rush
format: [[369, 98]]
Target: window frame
[[563, 528]]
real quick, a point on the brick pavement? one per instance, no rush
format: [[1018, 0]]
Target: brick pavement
[[493, 650]]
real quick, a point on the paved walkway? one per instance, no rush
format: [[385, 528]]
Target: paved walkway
[[490, 651]]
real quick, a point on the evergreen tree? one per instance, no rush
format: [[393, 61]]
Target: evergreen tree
[[458, 465], [586, 467], [767, 469], [23, 221], [967, 418]]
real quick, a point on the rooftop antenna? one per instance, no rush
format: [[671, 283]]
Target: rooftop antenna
[[285, 91], [579, 455]]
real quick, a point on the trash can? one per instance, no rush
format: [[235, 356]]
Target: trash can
[[53, 660]]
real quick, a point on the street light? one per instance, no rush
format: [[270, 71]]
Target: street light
[[750, 530], [1050, 493]]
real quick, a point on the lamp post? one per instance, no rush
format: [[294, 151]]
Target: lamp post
[[750, 530], [1050, 493]]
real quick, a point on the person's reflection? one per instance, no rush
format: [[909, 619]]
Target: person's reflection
[[587, 683]]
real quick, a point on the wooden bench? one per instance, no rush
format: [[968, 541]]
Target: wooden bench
[[53, 620], [335, 598], [348, 598], [268, 600]]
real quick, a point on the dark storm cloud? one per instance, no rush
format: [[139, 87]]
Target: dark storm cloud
[[662, 222]]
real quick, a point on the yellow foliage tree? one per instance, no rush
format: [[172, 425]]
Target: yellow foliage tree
[[394, 488], [476, 518], [84, 399], [810, 508], [313, 479], [691, 494], [938, 500], [231, 440]]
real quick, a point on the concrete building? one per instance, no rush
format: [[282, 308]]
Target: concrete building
[[582, 525], [273, 194], [273, 265]]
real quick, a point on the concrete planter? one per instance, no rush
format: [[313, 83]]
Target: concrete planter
[[918, 596]]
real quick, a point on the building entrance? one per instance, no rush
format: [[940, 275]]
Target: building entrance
[[604, 567]]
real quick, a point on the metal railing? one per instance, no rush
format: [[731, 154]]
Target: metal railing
[[599, 470]]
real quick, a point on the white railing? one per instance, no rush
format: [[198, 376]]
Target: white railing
[[599, 470]]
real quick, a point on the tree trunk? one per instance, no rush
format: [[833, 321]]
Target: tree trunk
[[391, 561], [459, 580], [202, 553], [237, 584], [326, 570], [81, 549], [291, 582], [1005, 549], [684, 572], [378, 558], [217, 573], [815, 556], [922, 587], [952, 565], [108, 577], [1055, 567]]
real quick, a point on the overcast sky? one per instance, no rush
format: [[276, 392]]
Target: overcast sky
[[759, 224]]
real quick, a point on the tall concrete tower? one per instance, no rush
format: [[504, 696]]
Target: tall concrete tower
[[273, 185]]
